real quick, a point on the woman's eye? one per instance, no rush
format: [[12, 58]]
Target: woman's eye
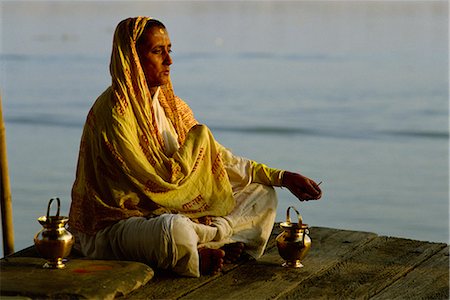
[[160, 51]]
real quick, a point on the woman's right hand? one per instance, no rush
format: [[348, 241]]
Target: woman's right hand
[[301, 186]]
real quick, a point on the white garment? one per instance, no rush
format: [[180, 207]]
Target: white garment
[[165, 127], [171, 241]]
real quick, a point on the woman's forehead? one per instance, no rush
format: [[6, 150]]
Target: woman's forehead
[[155, 36]]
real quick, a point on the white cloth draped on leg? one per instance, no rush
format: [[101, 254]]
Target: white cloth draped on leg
[[171, 241], [168, 241]]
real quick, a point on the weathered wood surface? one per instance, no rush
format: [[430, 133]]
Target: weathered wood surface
[[428, 280], [342, 264], [81, 279]]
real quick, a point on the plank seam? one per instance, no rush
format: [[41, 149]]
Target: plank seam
[[400, 275], [357, 249]]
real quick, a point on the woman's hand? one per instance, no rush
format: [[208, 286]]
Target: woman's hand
[[302, 187]]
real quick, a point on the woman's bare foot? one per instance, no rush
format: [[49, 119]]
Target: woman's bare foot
[[211, 260], [233, 251]]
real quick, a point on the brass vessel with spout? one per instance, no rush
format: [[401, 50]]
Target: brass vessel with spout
[[54, 241], [294, 242]]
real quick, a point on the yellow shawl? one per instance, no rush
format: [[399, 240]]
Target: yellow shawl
[[122, 167]]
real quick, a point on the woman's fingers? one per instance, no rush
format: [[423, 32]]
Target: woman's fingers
[[302, 187], [309, 191], [316, 192]]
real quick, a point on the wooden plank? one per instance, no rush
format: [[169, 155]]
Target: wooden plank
[[429, 280], [367, 271], [81, 279], [266, 278]]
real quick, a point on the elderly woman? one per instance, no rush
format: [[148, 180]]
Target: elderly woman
[[153, 185]]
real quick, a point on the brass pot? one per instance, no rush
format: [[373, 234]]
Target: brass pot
[[54, 241], [294, 242]]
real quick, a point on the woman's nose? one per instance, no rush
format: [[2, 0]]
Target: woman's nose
[[168, 59]]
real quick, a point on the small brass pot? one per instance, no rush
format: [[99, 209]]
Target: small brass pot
[[294, 242], [54, 241]]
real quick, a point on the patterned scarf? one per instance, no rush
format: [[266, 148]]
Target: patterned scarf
[[123, 170]]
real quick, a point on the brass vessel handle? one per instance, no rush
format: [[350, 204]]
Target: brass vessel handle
[[48, 207], [288, 217]]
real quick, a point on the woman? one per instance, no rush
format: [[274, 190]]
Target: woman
[[153, 185]]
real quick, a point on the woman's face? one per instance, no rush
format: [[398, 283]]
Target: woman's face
[[154, 53]]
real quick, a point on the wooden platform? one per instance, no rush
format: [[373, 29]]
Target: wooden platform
[[81, 279], [342, 264]]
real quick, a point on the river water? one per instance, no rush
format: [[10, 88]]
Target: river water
[[351, 93]]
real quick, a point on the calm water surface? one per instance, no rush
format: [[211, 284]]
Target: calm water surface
[[354, 94]]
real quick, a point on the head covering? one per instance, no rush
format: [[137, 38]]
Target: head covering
[[123, 170], [129, 83]]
